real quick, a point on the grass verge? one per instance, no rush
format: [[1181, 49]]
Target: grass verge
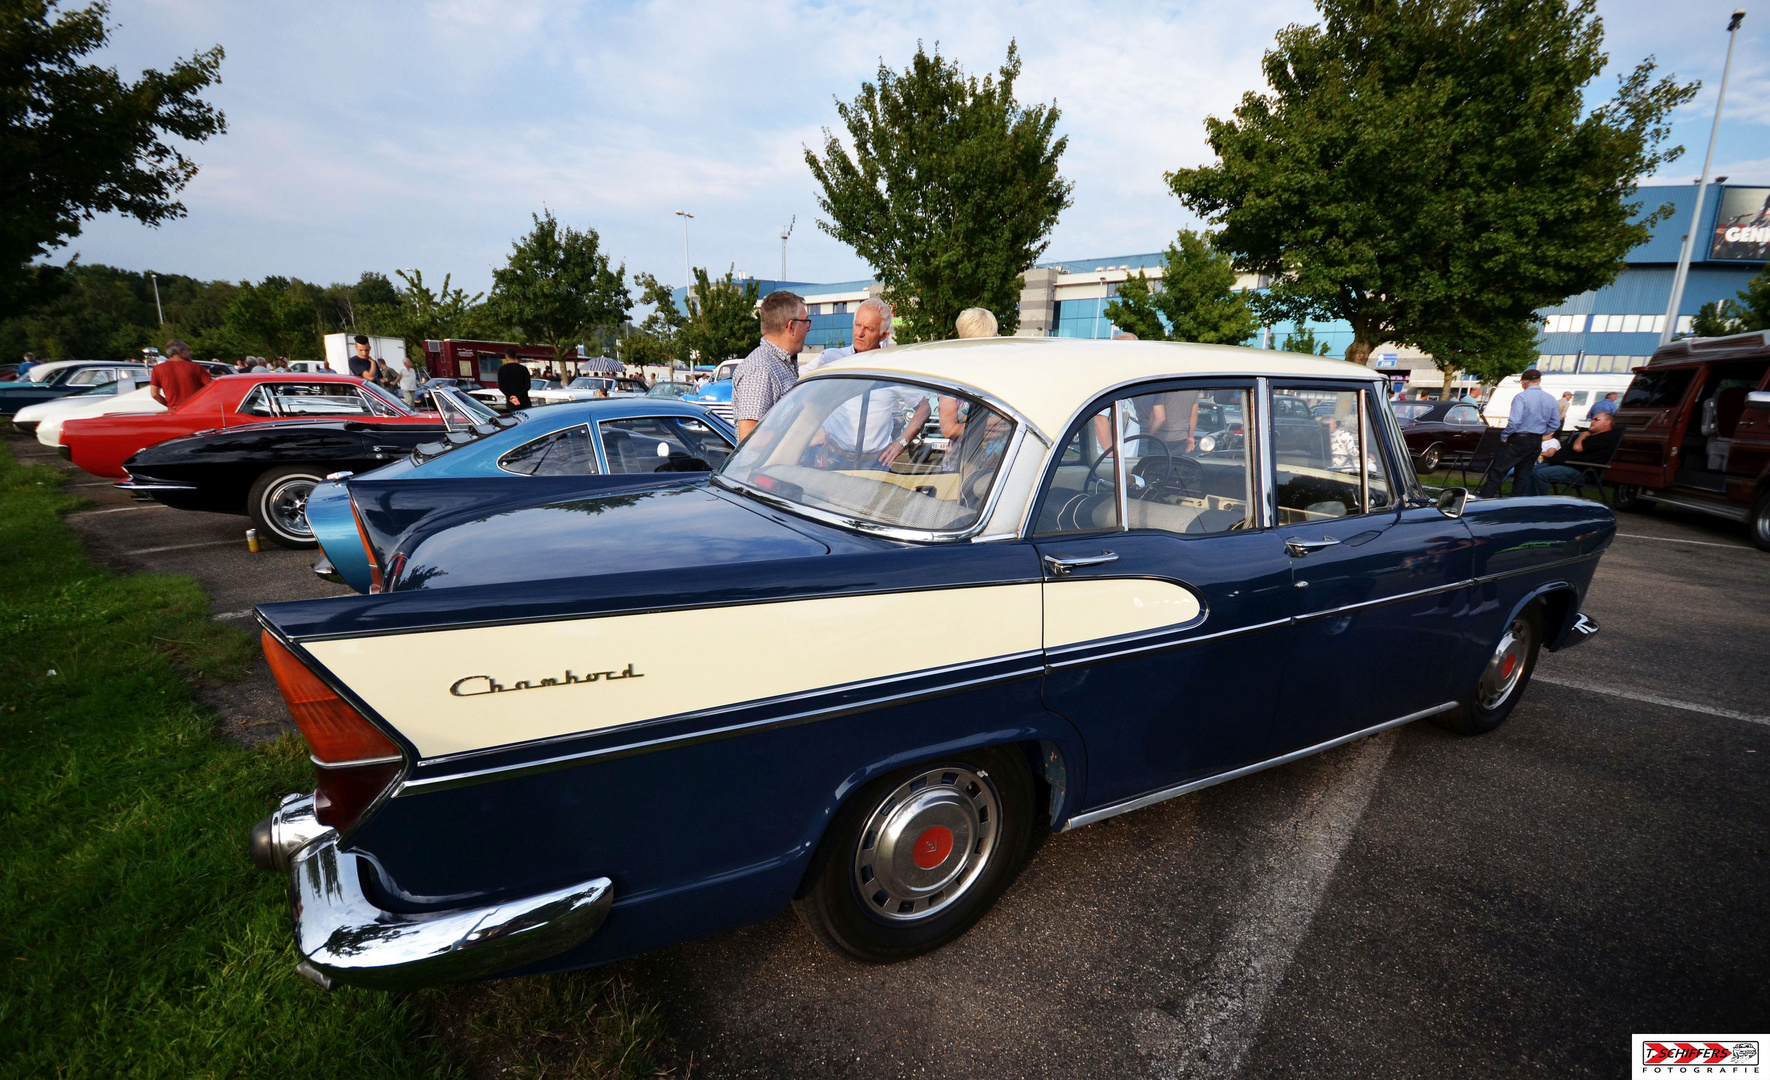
[[136, 940]]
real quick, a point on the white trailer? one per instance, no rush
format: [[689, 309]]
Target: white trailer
[[341, 347], [1587, 389]]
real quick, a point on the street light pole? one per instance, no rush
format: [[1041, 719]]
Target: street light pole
[[157, 307], [1702, 188], [786, 232], [687, 271]]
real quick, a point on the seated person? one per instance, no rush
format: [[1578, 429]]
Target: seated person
[[1592, 446]]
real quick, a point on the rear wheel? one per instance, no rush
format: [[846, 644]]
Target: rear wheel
[[916, 857], [277, 505], [1627, 497], [1503, 678], [1759, 522], [1430, 460]]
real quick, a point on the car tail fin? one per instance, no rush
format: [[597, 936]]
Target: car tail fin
[[354, 761]]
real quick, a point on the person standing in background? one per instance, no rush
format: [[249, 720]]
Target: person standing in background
[[175, 379], [1607, 404], [1564, 404], [362, 363], [773, 367], [408, 385], [872, 321], [29, 362], [513, 381], [1533, 416]]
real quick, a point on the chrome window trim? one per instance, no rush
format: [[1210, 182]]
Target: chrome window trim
[[1364, 458], [1164, 794], [1122, 484], [1261, 447], [893, 532]]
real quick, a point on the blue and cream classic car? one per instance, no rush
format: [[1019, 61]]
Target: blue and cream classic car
[[858, 670], [487, 462]]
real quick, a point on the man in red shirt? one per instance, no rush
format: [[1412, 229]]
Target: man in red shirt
[[177, 377]]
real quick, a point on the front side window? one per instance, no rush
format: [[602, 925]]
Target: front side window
[[1183, 457], [1467, 416], [1657, 389], [310, 399], [1330, 467], [662, 444], [863, 449], [563, 453], [92, 377]]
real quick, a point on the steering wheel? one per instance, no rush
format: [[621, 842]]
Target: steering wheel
[[1183, 472]]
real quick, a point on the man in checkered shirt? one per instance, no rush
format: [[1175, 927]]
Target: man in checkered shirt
[[773, 367]]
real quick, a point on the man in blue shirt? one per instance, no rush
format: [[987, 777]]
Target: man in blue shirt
[[1605, 404], [1534, 415]]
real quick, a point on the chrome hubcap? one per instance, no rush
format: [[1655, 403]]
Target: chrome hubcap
[[1762, 522], [926, 842], [1506, 667], [285, 506]]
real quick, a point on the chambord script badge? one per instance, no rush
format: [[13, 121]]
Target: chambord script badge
[[476, 685]]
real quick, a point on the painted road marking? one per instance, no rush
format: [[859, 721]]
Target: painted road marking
[[1209, 1035], [1674, 540], [235, 614], [185, 547], [120, 509], [1651, 699]]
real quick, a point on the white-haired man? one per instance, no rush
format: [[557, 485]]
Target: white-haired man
[[883, 439], [872, 329], [975, 322]]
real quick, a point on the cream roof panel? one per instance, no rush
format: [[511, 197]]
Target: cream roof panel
[[1048, 379]]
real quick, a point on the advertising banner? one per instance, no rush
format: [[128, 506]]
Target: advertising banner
[[1742, 229]]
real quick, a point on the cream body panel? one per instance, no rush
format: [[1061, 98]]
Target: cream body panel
[[766, 650], [1090, 609]]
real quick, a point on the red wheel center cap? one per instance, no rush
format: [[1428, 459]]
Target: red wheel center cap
[[932, 847], [1506, 668]]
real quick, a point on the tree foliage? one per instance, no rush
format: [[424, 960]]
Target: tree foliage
[[1430, 172], [950, 193], [1751, 311], [80, 140], [1194, 301], [558, 288], [1302, 340], [657, 340], [721, 321]]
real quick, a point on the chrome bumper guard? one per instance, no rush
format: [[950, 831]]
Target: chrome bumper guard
[[344, 938], [148, 485]]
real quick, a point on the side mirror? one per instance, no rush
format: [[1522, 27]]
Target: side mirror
[[1451, 501]]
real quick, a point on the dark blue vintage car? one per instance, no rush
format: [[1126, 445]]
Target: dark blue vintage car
[[861, 667]]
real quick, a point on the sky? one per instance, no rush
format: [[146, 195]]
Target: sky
[[409, 134]]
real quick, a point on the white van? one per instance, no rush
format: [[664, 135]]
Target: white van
[[1587, 391]]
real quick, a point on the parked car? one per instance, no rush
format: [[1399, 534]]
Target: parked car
[[486, 462], [1696, 435], [61, 380], [588, 388], [715, 397], [101, 444], [1439, 432], [557, 760], [139, 400], [80, 402], [267, 471], [673, 391]]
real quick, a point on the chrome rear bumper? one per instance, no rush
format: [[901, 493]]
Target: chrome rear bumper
[[343, 937], [150, 485]]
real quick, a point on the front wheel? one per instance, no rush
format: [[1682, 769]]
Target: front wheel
[[1430, 460], [1627, 497], [1502, 680], [916, 857], [277, 505]]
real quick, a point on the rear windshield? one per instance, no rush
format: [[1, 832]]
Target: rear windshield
[[1410, 410], [1657, 389]]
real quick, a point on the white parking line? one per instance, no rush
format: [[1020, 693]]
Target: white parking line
[[1651, 699], [186, 547], [247, 614], [1674, 540], [1211, 1032]]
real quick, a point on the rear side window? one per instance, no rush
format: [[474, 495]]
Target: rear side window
[[563, 453], [644, 444], [1657, 389]]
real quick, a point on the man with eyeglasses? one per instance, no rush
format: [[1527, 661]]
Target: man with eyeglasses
[[772, 369]]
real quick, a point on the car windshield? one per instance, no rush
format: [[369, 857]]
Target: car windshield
[[863, 449], [467, 420], [589, 382], [1410, 410]]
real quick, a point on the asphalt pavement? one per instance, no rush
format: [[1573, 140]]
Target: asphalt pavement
[[1416, 904]]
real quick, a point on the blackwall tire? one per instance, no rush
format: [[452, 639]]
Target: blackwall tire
[[277, 505], [1758, 524], [1430, 460], [1503, 678], [916, 857], [1627, 497]]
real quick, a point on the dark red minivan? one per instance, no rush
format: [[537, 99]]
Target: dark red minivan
[[1698, 431]]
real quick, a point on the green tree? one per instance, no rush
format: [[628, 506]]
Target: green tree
[[276, 317], [721, 321], [1431, 173], [1194, 301], [558, 286], [81, 141], [657, 340], [1714, 319], [419, 313], [950, 194], [1302, 340]]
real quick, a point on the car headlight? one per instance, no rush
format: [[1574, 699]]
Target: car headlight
[[1206, 445]]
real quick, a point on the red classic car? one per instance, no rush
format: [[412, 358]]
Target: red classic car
[[101, 444]]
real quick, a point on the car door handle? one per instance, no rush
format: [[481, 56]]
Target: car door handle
[[1060, 567], [1297, 547]]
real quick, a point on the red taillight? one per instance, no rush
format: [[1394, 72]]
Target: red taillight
[[336, 734], [368, 549], [354, 762]]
